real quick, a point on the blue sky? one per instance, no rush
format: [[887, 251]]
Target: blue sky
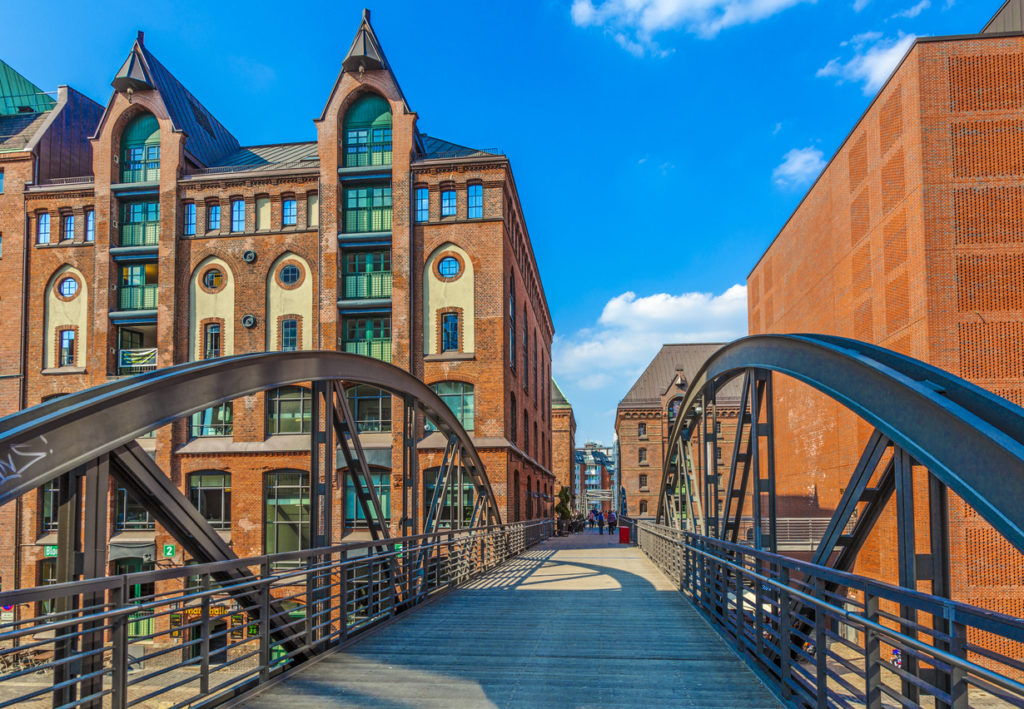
[[658, 145]]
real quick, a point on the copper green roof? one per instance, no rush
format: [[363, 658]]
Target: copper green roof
[[558, 400], [19, 96]]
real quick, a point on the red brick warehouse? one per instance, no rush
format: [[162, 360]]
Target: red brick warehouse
[[140, 233]]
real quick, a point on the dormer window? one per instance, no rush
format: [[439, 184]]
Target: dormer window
[[367, 132], [140, 150]]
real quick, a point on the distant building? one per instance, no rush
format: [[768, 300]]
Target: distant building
[[563, 440], [645, 416], [599, 476]]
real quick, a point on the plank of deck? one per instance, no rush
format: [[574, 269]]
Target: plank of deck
[[578, 621]]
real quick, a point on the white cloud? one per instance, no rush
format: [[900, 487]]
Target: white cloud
[[859, 5], [799, 167], [914, 11], [873, 61], [633, 23], [778, 127], [596, 365]]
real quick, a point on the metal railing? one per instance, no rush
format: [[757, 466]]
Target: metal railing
[[829, 638], [211, 632], [136, 361], [363, 219], [376, 284], [140, 234], [376, 348], [137, 297]]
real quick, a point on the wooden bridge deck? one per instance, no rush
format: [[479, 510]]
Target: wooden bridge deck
[[578, 621]]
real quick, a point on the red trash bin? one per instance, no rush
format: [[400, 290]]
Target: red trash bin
[[623, 535]]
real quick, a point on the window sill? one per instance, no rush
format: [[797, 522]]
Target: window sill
[[64, 370], [451, 357]]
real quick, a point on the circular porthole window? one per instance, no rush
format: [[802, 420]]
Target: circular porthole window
[[213, 279], [449, 267], [290, 275], [68, 287]]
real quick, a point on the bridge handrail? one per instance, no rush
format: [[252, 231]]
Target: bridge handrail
[[753, 572], [959, 431], [363, 591]]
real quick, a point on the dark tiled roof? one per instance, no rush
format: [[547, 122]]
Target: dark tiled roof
[[208, 140], [269, 157], [689, 358], [437, 148], [558, 400], [17, 130]]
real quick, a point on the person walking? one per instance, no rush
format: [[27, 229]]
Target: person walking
[[600, 521], [613, 522], [592, 518]]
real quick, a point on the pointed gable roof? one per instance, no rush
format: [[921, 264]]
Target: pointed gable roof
[[367, 54], [19, 96], [208, 140], [558, 400], [650, 386], [1009, 18]]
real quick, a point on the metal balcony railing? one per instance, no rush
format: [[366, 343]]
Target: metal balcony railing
[[376, 284], [214, 631], [137, 297], [358, 219], [376, 348], [136, 361], [140, 172], [140, 234]]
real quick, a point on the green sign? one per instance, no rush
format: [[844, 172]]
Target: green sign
[[168, 550], [50, 550]]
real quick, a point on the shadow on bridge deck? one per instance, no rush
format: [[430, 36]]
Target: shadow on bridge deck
[[578, 621]]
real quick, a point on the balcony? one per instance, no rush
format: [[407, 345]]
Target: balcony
[[372, 219], [376, 348], [141, 234], [373, 285], [137, 297], [135, 361]]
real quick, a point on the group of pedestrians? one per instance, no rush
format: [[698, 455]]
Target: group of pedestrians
[[598, 517]]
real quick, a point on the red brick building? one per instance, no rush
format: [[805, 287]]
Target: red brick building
[[563, 440], [141, 234], [912, 238], [644, 417]]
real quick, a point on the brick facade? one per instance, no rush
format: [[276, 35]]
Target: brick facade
[[911, 239]]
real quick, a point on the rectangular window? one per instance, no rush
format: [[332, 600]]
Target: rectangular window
[[643, 482], [90, 225], [287, 515], [211, 495], [641, 430], [1, 244], [641, 455], [47, 577], [371, 408], [238, 215], [367, 274], [140, 224], [422, 204], [213, 218], [1, 181], [476, 201], [131, 514], [67, 348], [68, 227], [43, 229], [370, 337], [262, 213], [214, 421], [289, 410], [450, 332], [211, 341], [367, 209], [289, 335], [354, 515], [190, 219], [448, 203], [48, 516], [289, 212]]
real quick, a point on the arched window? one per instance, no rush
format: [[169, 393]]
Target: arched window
[[529, 499], [673, 409], [459, 397], [210, 492], [140, 150], [516, 509], [286, 520], [643, 507], [367, 132]]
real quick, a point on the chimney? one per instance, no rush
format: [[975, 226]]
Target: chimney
[[141, 38]]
